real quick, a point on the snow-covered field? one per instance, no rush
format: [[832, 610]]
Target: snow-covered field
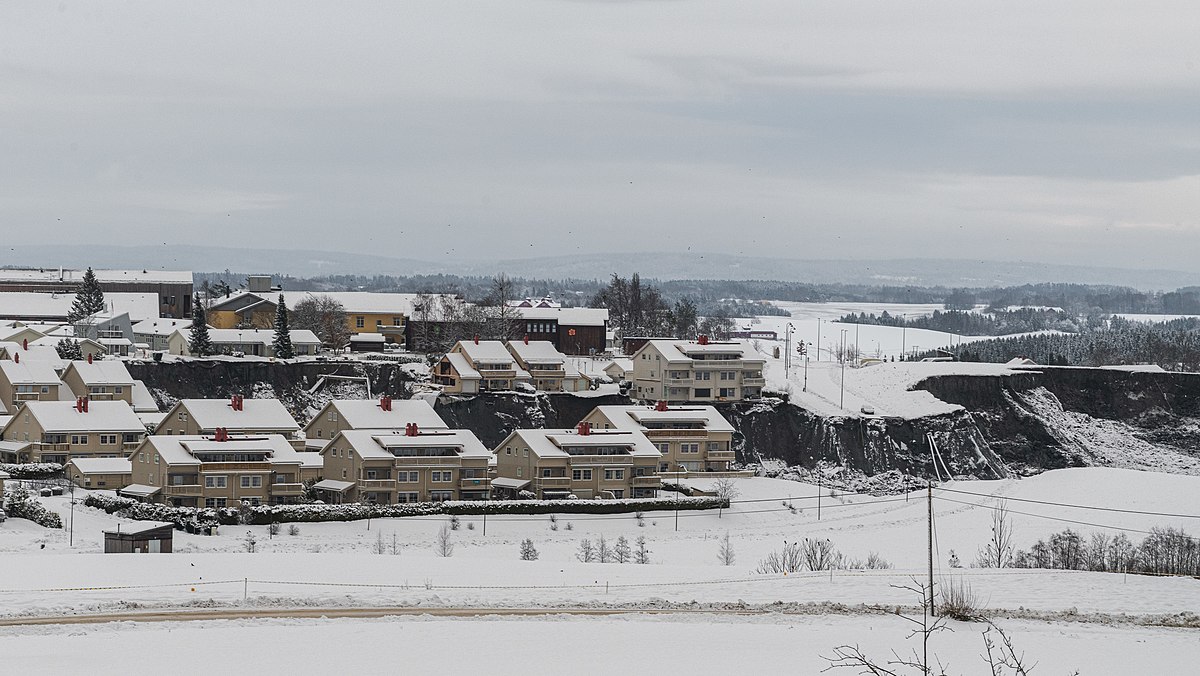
[[334, 565]]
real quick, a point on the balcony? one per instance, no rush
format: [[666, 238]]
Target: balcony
[[409, 462], [287, 489], [671, 434], [59, 448], [377, 484], [101, 396], [26, 396], [237, 467], [480, 483], [721, 455], [130, 445], [677, 382], [647, 482], [186, 490], [754, 382], [554, 481]]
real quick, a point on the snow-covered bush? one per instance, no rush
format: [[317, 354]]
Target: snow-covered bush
[[21, 505], [32, 470]]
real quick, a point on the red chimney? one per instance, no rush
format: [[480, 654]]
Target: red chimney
[[526, 339], [89, 357], [702, 340], [585, 428], [25, 344], [476, 340], [385, 403], [79, 404], [411, 430], [16, 357], [85, 404], [235, 402], [241, 402], [660, 406]]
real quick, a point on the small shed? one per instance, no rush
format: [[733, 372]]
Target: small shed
[[367, 342], [148, 537]]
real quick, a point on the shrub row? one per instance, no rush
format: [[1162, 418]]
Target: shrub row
[[264, 514], [32, 470], [21, 505]]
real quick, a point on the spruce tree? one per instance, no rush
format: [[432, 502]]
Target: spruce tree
[[69, 349], [283, 336], [200, 345], [89, 299]]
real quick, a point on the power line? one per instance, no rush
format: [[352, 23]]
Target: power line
[[1057, 518], [1074, 506]]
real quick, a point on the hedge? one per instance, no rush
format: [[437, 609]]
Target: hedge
[[264, 514], [32, 470], [20, 504]]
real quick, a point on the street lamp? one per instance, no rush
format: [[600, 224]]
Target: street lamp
[[787, 350], [803, 348]]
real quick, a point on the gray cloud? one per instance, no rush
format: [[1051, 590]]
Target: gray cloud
[[1059, 133]]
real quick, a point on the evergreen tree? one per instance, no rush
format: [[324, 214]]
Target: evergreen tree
[[200, 345], [89, 299], [69, 349], [283, 336]]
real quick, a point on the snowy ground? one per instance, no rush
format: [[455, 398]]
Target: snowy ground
[[1065, 619]]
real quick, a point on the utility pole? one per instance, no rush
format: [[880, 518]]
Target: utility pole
[[485, 522], [818, 339], [71, 543], [818, 492], [929, 498], [842, 400]]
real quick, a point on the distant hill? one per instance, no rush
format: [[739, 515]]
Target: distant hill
[[307, 263]]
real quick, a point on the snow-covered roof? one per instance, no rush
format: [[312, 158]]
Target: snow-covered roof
[[101, 416], [549, 443], [179, 449], [333, 485], [27, 372], [624, 364], [256, 414], [262, 336], [484, 352], [366, 414], [310, 460], [76, 276], [536, 352], [101, 372], [143, 401], [682, 351], [463, 366], [360, 302], [138, 527], [151, 419], [635, 417], [10, 332], [102, 465], [46, 354], [569, 316], [160, 327], [375, 444], [55, 306], [367, 338]]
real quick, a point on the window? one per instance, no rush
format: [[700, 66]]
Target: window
[[107, 439], [728, 392], [581, 475], [360, 322], [378, 323], [716, 446], [397, 321], [441, 476], [519, 472], [80, 440], [703, 375], [525, 452], [508, 450], [546, 472], [441, 496], [408, 497], [614, 474], [371, 474], [664, 448], [183, 416], [252, 501], [689, 448], [251, 482], [118, 389], [215, 482], [333, 416], [156, 458]]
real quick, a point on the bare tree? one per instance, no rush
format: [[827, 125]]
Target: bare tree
[[621, 551], [323, 316], [726, 488], [820, 554], [641, 554], [444, 547], [586, 553], [603, 551], [725, 551], [786, 560], [528, 551], [998, 551]]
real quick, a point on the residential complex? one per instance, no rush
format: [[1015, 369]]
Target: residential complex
[[690, 438], [24, 381], [582, 462], [474, 366], [103, 380], [410, 465], [217, 470], [701, 370], [236, 415], [57, 431], [357, 414]]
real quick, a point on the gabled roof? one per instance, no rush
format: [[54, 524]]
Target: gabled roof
[[46, 354], [549, 443], [143, 401], [634, 417], [101, 372], [102, 465], [160, 327], [536, 352], [28, 372], [256, 414], [485, 351], [681, 351], [56, 274], [366, 414], [463, 366], [178, 449], [566, 316], [375, 444], [102, 416], [360, 302]]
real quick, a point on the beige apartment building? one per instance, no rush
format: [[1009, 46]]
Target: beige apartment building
[[217, 470], [100, 473], [384, 413], [701, 370], [58, 431], [236, 415], [24, 381], [583, 462], [103, 380], [471, 367], [690, 437], [410, 465], [543, 362]]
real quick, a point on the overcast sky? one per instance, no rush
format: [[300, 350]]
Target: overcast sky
[[1041, 131]]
